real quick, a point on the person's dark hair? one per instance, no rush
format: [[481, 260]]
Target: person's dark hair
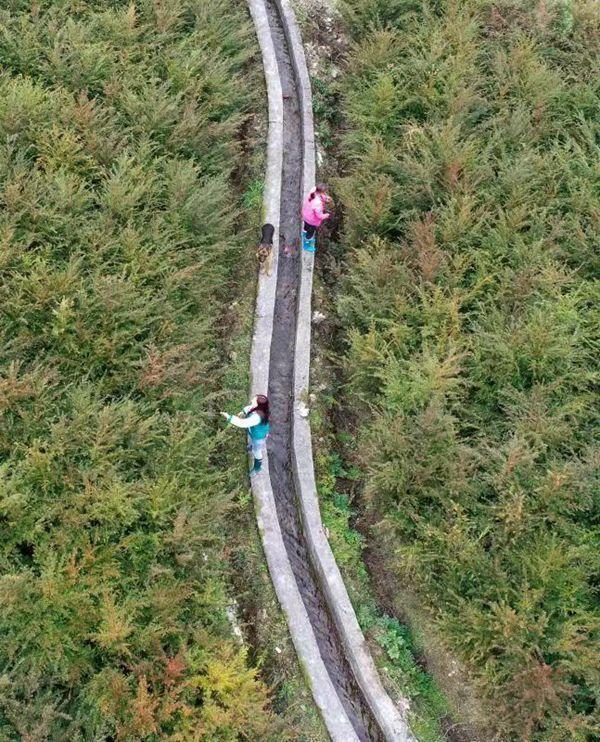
[[319, 188], [262, 407]]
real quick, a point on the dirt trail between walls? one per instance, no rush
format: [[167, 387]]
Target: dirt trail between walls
[[281, 392]]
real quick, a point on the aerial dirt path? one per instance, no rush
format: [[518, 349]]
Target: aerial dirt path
[[322, 623], [281, 397]]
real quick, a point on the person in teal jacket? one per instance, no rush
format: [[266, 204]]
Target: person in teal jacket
[[256, 421]]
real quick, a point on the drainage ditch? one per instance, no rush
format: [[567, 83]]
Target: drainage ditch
[[281, 393]]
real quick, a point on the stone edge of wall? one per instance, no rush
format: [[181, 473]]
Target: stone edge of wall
[[391, 719], [284, 582]]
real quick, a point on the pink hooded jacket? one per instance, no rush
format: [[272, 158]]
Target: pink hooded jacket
[[312, 211]]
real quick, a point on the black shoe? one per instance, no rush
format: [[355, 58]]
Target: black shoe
[[256, 468]]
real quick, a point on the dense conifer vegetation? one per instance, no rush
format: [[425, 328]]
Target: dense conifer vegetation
[[118, 139], [472, 235]]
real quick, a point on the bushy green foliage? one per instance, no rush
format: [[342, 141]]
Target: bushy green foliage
[[118, 128], [471, 316], [396, 659]]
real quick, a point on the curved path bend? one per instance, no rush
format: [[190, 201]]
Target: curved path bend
[[322, 623]]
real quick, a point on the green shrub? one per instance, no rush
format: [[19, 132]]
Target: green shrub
[[119, 131], [470, 201]]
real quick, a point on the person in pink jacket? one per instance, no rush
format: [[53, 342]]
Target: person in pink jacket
[[313, 215]]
